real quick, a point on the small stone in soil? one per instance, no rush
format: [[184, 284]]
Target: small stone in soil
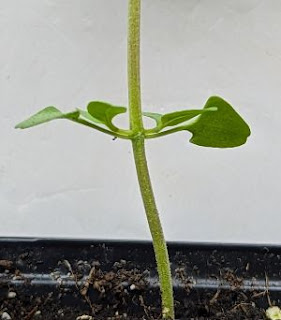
[[6, 316], [132, 287], [37, 314], [11, 295]]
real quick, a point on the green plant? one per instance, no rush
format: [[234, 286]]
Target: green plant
[[273, 313], [217, 125]]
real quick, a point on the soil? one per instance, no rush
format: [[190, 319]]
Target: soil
[[119, 294], [78, 289]]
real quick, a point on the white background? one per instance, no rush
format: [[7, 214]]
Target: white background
[[64, 180]]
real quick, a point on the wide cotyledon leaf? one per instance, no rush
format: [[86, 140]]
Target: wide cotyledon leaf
[[223, 128], [46, 115]]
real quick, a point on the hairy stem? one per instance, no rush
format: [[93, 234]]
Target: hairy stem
[[138, 143], [134, 90], [159, 244]]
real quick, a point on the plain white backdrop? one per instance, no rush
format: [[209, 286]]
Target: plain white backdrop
[[60, 179]]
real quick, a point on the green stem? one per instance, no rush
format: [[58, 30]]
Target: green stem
[[136, 125], [134, 91], [159, 244]]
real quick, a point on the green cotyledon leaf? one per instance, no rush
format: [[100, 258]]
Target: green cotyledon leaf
[[223, 128], [155, 116], [100, 114], [46, 115], [105, 112], [85, 115], [174, 118]]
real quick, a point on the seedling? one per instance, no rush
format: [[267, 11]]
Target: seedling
[[273, 313], [217, 125]]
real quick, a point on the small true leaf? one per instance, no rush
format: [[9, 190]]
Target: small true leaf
[[105, 112], [46, 115], [223, 128]]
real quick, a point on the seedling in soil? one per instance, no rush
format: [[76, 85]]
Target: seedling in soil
[[217, 125], [273, 313]]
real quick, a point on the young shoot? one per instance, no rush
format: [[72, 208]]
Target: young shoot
[[216, 125]]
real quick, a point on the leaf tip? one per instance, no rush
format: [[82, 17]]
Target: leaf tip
[[20, 125]]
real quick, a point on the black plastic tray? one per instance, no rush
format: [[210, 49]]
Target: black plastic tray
[[201, 272]]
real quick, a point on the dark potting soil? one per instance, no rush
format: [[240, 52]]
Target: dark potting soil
[[121, 293], [84, 289]]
